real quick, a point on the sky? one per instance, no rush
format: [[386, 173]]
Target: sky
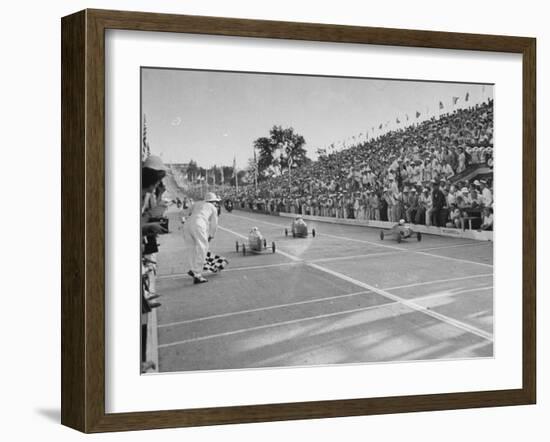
[[215, 116]]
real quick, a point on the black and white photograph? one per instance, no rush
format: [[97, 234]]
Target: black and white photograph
[[302, 220]]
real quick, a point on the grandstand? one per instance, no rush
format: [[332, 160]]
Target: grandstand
[[456, 148]]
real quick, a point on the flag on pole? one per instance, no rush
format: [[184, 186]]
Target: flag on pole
[[256, 169], [467, 97], [397, 120], [417, 114], [441, 105], [455, 100], [235, 174], [380, 127]]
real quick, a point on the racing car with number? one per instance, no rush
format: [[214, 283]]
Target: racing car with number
[[399, 232], [228, 205], [256, 243], [298, 229]]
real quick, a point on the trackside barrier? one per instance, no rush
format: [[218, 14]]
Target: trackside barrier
[[429, 230]]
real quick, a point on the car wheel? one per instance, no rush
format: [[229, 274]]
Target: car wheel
[[244, 250], [293, 234], [273, 247], [286, 232], [236, 246], [419, 236], [399, 238], [382, 235], [265, 243], [313, 232]]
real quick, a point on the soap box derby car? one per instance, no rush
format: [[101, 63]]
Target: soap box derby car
[[399, 232], [256, 243], [228, 204], [299, 229]]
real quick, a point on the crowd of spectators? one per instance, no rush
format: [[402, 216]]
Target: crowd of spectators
[[415, 173]]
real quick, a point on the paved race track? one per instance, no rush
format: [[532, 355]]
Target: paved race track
[[342, 297]]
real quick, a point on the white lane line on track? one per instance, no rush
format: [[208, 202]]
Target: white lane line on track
[[450, 321], [459, 292], [477, 243], [233, 269], [261, 309], [343, 258], [277, 324], [408, 303], [437, 281], [466, 261], [380, 245]]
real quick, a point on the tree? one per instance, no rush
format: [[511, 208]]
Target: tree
[[282, 149], [192, 171]]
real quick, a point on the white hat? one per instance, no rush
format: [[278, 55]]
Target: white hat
[[464, 190], [211, 196], [476, 183], [154, 162]]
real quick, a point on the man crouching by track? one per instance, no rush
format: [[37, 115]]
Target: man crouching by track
[[199, 229]]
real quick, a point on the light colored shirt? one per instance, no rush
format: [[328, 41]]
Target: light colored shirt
[[487, 197], [204, 215]]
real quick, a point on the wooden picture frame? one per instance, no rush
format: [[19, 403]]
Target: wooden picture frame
[[83, 220]]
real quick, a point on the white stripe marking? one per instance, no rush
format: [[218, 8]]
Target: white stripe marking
[[459, 292], [278, 324], [410, 304], [477, 243], [343, 258], [261, 309], [437, 281], [365, 242], [234, 269], [455, 259]]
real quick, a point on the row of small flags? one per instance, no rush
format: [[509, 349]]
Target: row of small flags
[[333, 147]]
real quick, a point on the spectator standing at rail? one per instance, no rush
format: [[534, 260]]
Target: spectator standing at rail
[[383, 203], [424, 207], [389, 204], [486, 194], [461, 160], [412, 206], [487, 219], [438, 203]]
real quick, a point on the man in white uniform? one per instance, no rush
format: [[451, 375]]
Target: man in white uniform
[[199, 228]]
